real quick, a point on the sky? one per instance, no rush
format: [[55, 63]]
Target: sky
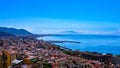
[[55, 16]]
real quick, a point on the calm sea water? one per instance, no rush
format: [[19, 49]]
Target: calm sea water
[[92, 43]]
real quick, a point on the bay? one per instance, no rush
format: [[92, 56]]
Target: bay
[[92, 43]]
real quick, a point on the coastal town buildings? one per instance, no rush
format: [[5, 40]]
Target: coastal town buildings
[[33, 53]]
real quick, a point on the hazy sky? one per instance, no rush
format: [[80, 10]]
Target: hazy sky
[[54, 16]]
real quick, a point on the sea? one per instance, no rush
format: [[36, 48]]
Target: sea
[[92, 43]]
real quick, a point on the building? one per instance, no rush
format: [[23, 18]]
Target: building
[[1, 65], [8, 57], [97, 57]]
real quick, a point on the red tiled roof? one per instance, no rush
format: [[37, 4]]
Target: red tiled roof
[[11, 51], [0, 53]]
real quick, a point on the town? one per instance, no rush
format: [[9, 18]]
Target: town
[[29, 52]]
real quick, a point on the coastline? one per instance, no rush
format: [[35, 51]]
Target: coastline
[[83, 46], [50, 50]]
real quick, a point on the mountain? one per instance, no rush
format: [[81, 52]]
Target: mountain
[[17, 32], [4, 34], [71, 32]]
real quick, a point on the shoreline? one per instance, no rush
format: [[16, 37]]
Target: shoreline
[[76, 42], [69, 49]]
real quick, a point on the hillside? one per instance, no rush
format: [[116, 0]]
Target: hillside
[[4, 34], [17, 32]]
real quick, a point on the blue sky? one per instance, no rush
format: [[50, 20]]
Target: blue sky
[[54, 16]]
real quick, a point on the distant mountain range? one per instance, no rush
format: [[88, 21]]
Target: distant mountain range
[[14, 31], [80, 33], [71, 32]]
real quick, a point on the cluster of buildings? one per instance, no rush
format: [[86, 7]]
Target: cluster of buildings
[[32, 53]]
